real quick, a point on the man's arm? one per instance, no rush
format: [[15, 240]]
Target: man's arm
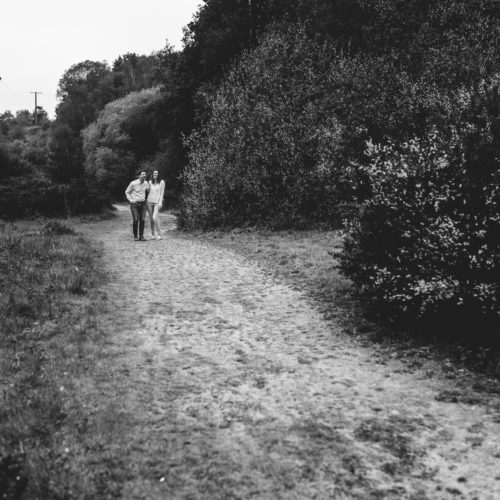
[[129, 190]]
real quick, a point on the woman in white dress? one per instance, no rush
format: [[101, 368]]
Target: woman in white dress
[[154, 203]]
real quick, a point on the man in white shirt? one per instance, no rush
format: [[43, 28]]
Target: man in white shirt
[[136, 194]]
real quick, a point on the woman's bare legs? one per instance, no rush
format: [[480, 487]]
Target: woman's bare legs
[[156, 220], [151, 207]]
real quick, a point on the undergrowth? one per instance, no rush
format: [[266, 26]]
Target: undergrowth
[[48, 326]]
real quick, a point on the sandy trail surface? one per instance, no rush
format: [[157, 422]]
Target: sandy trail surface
[[221, 382]]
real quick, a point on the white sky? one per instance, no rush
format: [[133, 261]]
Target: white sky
[[41, 39]]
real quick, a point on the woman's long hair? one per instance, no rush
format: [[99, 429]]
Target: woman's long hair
[[157, 180]]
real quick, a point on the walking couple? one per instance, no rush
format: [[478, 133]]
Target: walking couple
[[146, 196]]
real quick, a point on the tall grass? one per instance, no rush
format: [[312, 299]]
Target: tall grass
[[48, 306]]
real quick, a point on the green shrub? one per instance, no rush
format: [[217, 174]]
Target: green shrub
[[56, 228], [36, 195], [283, 144], [427, 243], [23, 196], [268, 153]]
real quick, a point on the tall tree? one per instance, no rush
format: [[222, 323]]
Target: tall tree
[[133, 72], [84, 90]]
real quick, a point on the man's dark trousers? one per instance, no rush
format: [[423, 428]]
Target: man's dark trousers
[[138, 210]]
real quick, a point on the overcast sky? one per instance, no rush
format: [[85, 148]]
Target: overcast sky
[[41, 39]]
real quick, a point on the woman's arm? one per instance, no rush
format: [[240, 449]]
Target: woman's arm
[[162, 192]]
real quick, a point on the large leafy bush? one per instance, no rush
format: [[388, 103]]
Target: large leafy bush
[[35, 195], [269, 152], [283, 144], [426, 244]]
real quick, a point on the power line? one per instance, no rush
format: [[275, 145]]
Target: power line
[[6, 98], [18, 102], [11, 91], [6, 105]]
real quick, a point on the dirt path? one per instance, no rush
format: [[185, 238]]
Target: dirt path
[[222, 383]]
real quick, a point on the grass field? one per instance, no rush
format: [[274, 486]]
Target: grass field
[[49, 312]]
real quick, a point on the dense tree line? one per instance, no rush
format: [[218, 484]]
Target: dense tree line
[[42, 166], [122, 139], [293, 112]]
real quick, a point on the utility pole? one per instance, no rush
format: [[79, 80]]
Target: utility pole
[[36, 106]]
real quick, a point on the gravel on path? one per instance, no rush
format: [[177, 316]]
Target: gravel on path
[[221, 382]]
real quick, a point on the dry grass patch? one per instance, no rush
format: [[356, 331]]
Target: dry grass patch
[[307, 258], [48, 331]]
